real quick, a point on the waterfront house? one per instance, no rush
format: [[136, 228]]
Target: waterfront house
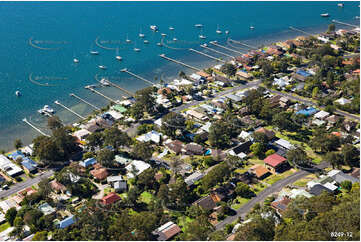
[[167, 231], [204, 75], [110, 199], [275, 162], [81, 134], [29, 165], [8, 167], [16, 155]]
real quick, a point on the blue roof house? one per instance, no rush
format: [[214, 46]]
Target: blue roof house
[[15, 155], [88, 162], [66, 222], [303, 73], [29, 165]]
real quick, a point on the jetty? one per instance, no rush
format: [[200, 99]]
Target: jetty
[[100, 94], [206, 55], [226, 48], [241, 43], [179, 62], [84, 101], [31, 125], [115, 85], [136, 76], [339, 22], [75, 113], [300, 30], [216, 51]]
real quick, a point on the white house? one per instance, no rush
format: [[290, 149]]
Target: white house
[[137, 167], [150, 136], [285, 144], [8, 167], [321, 115], [342, 101], [81, 134]]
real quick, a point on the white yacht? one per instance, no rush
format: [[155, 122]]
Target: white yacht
[[136, 49], [146, 41], [102, 67], [18, 93], [201, 36], [226, 32], [340, 5], [198, 25], [154, 27], [104, 82], [118, 57], [175, 39], [159, 44], [163, 34], [251, 27], [76, 60], [325, 14], [46, 109], [171, 28], [93, 52], [127, 39], [218, 31]]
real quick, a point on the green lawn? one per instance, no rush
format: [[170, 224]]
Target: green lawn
[[4, 226], [303, 182], [146, 197], [257, 188], [183, 221], [276, 177], [241, 201]]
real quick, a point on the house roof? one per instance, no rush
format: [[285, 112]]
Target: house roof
[[29, 164], [281, 205], [100, 173], [274, 160], [55, 185], [176, 146], [139, 165], [321, 114], [110, 198], [120, 185], [193, 178], [356, 173], [244, 147], [167, 231], [318, 189], [88, 162], [150, 136], [261, 171], [270, 134], [194, 148], [284, 144], [66, 222], [119, 108], [206, 203]]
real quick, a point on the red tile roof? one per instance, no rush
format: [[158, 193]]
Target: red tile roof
[[99, 174], [110, 198], [274, 160]]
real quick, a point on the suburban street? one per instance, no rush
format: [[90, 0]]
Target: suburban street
[[275, 187], [22, 185]]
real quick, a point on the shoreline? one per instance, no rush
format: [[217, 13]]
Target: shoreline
[[68, 118]]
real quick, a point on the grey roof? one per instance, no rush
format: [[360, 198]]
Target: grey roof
[[318, 189], [340, 177], [193, 178], [234, 97], [120, 185]]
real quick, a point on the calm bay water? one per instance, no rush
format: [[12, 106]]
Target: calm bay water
[[64, 31]]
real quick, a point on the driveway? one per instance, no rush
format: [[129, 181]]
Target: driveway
[[275, 187], [28, 183]]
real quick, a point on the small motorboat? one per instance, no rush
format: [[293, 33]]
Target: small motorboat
[[226, 32], [104, 82], [198, 25], [102, 67], [357, 17], [325, 14], [136, 49], [171, 28], [46, 109], [18, 93], [127, 39], [93, 52], [175, 39], [159, 44], [75, 60], [118, 57], [340, 5], [154, 27], [218, 31], [251, 27], [201, 36], [163, 34], [146, 42]]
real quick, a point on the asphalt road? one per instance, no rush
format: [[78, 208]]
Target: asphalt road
[[275, 187], [22, 185], [348, 115]]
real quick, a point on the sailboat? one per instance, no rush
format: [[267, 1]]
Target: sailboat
[[218, 31], [135, 47], [118, 57], [75, 60], [171, 28], [201, 36], [127, 39], [251, 27], [141, 35]]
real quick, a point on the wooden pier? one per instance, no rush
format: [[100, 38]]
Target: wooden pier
[[300, 30], [84, 101], [136, 76], [216, 51], [117, 86], [226, 48], [241, 43], [75, 113], [100, 94], [179, 62], [339, 22], [206, 55], [31, 125]]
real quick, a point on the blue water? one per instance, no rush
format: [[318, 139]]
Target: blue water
[[72, 28]]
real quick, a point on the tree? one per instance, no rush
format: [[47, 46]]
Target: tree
[[95, 140], [229, 69], [54, 122], [218, 134], [143, 151], [315, 91], [270, 152], [146, 179], [173, 122], [331, 28], [244, 190], [198, 229], [11, 215], [347, 185], [283, 121], [298, 157], [163, 194], [259, 229], [18, 144], [217, 174], [116, 138], [350, 154], [40, 236], [137, 111], [106, 157], [257, 149], [146, 100], [335, 159]]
